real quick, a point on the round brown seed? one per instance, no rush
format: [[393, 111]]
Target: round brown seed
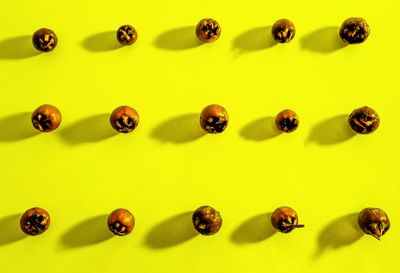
[[364, 120], [124, 119], [121, 222], [287, 121], [354, 30], [283, 31], [44, 40], [374, 221], [208, 30], [214, 119], [206, 220], [127, 35], [285, 219], [46, 118], [35, 221]]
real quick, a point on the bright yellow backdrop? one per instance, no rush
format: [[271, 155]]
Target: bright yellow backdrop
[[166, 168]]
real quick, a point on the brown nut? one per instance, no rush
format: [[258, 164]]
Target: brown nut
[[126, 35], [374, 221], [287, 121], [354, 31], [208, 30], [206, 220], [214, 119], [121, 222], [124, 119], [46, 118], [285, 219], [283, 31], [44, 40], [35, 221], [364, 120]]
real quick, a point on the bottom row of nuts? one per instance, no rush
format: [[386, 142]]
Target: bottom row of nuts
[[208, 221]]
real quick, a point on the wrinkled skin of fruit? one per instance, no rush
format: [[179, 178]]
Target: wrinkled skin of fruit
[[285, 219], [206, 220], [121, 222], [374, 221]]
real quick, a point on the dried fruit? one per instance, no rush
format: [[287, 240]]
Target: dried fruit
[[287, 121], [44, 40], [46, 118], [214, 119], [126, 35], [283, 31], [208, 30], [207, 220], [364, 120], [285, 219], [354, 31], [374, 221], [124, 119], [121, 222], [35, 221]]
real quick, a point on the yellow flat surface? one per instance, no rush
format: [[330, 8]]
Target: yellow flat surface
[[166, 168]]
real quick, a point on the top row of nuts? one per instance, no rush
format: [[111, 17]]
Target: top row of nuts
[[352, 31]]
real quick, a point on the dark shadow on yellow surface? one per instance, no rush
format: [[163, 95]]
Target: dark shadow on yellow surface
[[178, 39], [17, 127], [91, 129], [89, 232], [104, 41], [255, 229], [254, 39], [17, 48], [260, 129], [323, 40], [10, 229], [331, 131], [172, 231], [180, 129], [341, 232]]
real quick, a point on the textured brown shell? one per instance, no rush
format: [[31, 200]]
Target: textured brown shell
[[207, 220], [121, 222]]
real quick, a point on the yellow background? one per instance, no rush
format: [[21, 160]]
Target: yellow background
[[166, 168]]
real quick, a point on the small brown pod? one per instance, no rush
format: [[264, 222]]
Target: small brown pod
[[214, 119], [283, 31], [285, 219], [206, 220], [374, 221], [44, 40], [124, 119], [35, 221], [364, 120], [208, 30], [126, 35], [287, 121], [121, 222], [46, 118], [354, 30]]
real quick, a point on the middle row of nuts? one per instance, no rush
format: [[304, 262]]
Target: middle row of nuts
[[213, 119], [208, 221]]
